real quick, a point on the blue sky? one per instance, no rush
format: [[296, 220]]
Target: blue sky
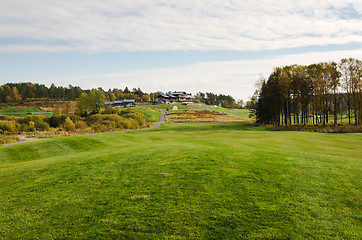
[[216, 46]]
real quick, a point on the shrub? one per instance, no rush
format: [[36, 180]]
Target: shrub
[[9, 126], [99, 128], [129, 123], [110, 125], [80, 125], [7, 118], [24, 127], [94, 119], [33, 118], [76, 118], [42, 126], [139, 117], [8, 139], [56, 120], [68, 125]]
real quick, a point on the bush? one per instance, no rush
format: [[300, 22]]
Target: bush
[[68, 125], [24, 127], [56, 120], [7, 118], [33, 118], [9, 126], [110, 125], [139, 117], [8, 139], [129, 123], [75, 118], [94, 119], [42, 126], [80, 125]]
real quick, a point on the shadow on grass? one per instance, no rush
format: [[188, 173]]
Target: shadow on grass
[[189, 127]]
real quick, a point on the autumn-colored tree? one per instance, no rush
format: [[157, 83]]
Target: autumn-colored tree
[[68, 125]]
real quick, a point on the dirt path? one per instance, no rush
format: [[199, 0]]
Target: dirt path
[[162, 119], [24, 140]]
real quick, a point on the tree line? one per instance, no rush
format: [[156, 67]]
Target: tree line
[[11, 93], [218, 99], [315, 94], [14, 93]]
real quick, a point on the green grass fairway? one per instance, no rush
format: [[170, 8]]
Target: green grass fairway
[[19, 112], [238, 112], [183, 181]]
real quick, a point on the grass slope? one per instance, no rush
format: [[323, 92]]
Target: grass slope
[[238, 112], [183, 181], [19, 111], [152, 115]]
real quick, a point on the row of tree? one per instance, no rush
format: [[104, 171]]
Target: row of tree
[[13, 93], [218, 99], [301, 94], [22, 92]]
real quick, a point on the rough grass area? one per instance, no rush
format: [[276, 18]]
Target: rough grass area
[[8, 139], [152, 115], [184, 181], [238, 112], [19, 111], [190, 115], [319, 128]]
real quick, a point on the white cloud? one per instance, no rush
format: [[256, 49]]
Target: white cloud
[[236, 78], [144, 25]]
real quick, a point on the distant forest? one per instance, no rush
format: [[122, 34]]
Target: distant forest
[[316, 94], [23, 92], [18, 93]]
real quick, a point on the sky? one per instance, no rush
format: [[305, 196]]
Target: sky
[[171, 45]]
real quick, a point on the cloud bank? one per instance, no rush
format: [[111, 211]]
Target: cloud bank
[[146, 25]]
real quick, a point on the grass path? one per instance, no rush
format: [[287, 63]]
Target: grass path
[[183, 181], [239, 113], [243, 113]]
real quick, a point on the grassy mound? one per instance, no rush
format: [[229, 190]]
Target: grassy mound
[[183, 181]]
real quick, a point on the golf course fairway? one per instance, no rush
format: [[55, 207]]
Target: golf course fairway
[[183, 181]]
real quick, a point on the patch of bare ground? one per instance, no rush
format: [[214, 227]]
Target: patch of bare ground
[[201, 116]]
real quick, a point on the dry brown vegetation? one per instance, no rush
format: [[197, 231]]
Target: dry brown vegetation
[[191, 115], [318, 128]]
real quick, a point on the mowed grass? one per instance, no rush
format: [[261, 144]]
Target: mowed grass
[[19, 111], [238, 112], [183, 181]]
